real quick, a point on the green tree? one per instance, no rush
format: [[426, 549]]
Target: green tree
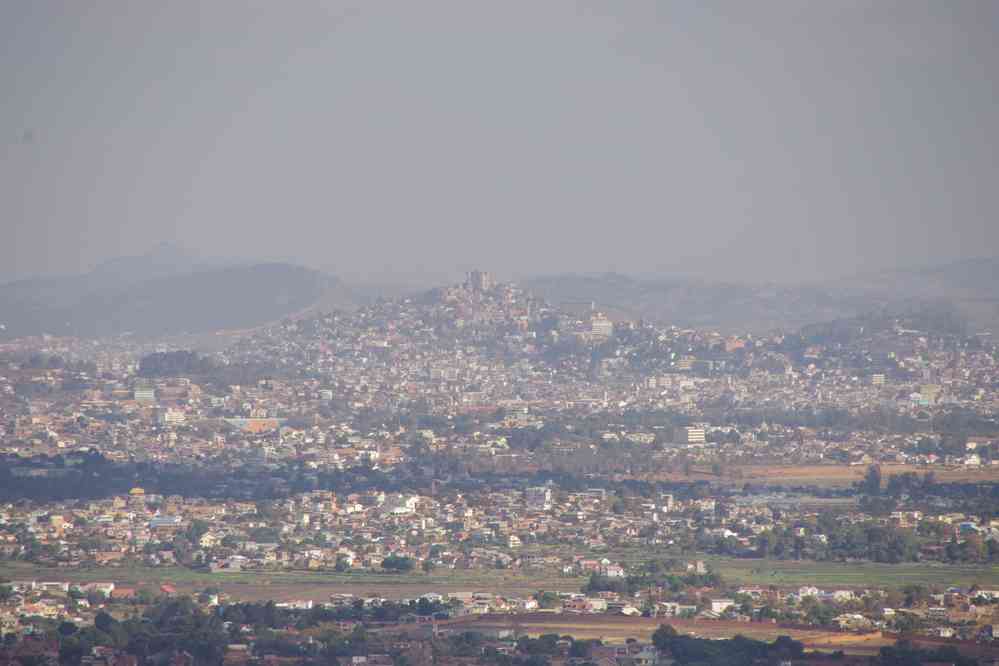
[[547, 599], [196, 530], [104, 622], [663, 637], [398, 563], [872, 481]]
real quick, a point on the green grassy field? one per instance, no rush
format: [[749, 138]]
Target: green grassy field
[[853, 574], [282, 585], [783, 573]]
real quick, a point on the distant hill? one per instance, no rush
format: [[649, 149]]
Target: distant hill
[[971, 287], [170, 291], [106, 302], [689, 302], [980, 275], [164, 260]]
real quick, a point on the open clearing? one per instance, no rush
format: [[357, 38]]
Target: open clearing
[[845, 475], [617, 629], [318, 586], [793, 574], [285, 586], [852, 574], [790, 574], [821, 475]]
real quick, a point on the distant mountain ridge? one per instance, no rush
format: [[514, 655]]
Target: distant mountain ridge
[[165, 292], [170, 290], [970, 286], [164, 260], [689, 302]]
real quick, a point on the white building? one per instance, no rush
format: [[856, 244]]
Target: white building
[[695, 435], [721, 605], [538, 498]]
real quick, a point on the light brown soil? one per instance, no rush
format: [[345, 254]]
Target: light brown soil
[[613, 628]]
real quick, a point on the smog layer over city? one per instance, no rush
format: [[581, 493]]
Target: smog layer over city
[[510, 333]]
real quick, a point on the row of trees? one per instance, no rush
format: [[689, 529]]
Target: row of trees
[[653, 575], [170, 626]]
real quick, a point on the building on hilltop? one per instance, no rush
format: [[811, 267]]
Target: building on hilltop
[[480, 281]]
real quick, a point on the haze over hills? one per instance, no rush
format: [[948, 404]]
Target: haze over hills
[[163, 260], [163, 292], [693, 302], [970, 286], [171, 290]]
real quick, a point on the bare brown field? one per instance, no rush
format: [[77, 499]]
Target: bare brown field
[[617, 629], [968, 648], [830, 476], [845, 475]]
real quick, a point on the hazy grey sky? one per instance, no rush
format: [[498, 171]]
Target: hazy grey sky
[[765, 140]]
